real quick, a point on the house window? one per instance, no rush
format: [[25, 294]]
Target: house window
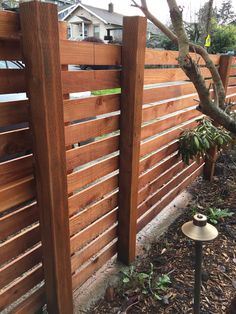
[[96, 31], [69, 31]]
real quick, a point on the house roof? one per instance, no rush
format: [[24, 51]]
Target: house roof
[[108, 17]]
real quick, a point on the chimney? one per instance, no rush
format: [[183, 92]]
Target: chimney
[[111, 7]]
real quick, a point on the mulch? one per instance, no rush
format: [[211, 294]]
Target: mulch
[[173, 254]]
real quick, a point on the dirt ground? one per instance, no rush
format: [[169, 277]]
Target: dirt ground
[[173, 255]]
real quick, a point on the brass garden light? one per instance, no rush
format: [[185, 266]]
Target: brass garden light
[[200, 231]]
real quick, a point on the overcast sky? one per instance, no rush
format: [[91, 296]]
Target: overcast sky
[[158, 7]]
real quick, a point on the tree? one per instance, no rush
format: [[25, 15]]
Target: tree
[[225, 14], [223, 38], [215, 109]]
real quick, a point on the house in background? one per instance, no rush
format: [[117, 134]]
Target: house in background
[[86, 21]]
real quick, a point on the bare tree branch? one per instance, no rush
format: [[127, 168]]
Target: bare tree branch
[[214, 109]]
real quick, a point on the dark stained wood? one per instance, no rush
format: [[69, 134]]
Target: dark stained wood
[[224, 71], [10, 50], [14, 112], [9, 25], [12, 81], [133, 53], [39, 24]]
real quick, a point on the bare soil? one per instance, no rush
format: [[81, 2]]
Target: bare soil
[[173, 254]]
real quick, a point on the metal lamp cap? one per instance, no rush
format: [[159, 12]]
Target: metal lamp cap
[[199, 229]]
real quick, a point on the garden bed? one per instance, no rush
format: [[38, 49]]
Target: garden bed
[[142, 291]]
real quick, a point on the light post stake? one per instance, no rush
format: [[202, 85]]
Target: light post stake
[[200, 231]]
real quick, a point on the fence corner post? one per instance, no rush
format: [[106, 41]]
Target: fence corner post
[[133, 56], [224, 70], [40, 41]]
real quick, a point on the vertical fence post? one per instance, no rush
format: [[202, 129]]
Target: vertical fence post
[[133, 55], [224, 69], [40, 40]]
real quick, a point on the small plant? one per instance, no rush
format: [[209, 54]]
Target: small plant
[[195, 143], [216, 214], [146, 282]]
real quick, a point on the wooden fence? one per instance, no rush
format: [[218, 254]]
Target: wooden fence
[[94, 197]]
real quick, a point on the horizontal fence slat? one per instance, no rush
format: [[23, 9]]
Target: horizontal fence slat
[[76, 109], [155, 143], [153, 56], [88, 53], [93, 248], [15, 142], [91, 194], [15, 169], [17, 192], [9, 25], [158, 182], [85, 130], [159, 110], [154, 76], [20, 265], [78, 240], [154, 198], [232, 81], [164, 124], [10, 50], [156, 171], [232, 71], [12, 81], [151, 95], [19, 243], [89, 80], [17, 220], [21, 286], [31, 304], [79, 278], [81, 155], [93, 212], [14, 112], [85, 176], [145, 219]]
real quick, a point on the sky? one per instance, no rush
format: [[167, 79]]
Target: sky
[[158, 7]]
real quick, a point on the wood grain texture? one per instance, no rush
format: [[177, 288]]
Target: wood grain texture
[[154, 76], [14, 112], [76, 109], [76, 52], [9, 25], [17, 220], [153, 56], [149, 215], [169, 122], [89, 80], [133, 53], [92, 231], [31, 304], [85, 130], [82, 199], [93, 212], [15, 142], [80, 178], [81, 155], [17, 192], [12, 81], [39, 23], [100, 259], [93, 248], [10, 49]]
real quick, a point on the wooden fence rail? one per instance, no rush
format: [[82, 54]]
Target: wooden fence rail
[[81, 176]]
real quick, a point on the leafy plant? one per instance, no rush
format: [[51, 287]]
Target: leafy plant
[[195, 143], [146, 281], [216, 214]]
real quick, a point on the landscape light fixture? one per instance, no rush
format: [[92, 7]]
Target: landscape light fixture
[[200, 231]]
